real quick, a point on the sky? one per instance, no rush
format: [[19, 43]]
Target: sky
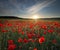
[[29, 8]]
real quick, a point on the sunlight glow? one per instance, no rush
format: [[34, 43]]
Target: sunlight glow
[[35, 17]]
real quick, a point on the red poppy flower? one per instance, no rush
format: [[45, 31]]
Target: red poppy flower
[[10, 42], [35, 49], [55, 23], [1, 25], [19, 30], [54, 41], [45, 32], [9, 24], [12, 47], [52, 27], [29, 35], [20, 40], [31, 26], [25, 40], [50, 31], [41, 39], [4, 31], [22, 33], [44, 26]]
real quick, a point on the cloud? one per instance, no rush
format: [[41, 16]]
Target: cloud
[[18, 8], [30, 9], [17, 5], [37, 7]]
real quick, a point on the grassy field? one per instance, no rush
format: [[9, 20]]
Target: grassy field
[[29, 34]]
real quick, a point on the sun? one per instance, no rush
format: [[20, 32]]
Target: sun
[[35, 17]]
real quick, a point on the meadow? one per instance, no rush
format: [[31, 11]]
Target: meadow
[[22, 34]]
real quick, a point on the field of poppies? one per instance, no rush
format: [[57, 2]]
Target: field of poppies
[[29, 34]]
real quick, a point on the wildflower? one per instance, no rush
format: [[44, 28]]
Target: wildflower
[[20, 40], [41, 39], [35, 49]]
